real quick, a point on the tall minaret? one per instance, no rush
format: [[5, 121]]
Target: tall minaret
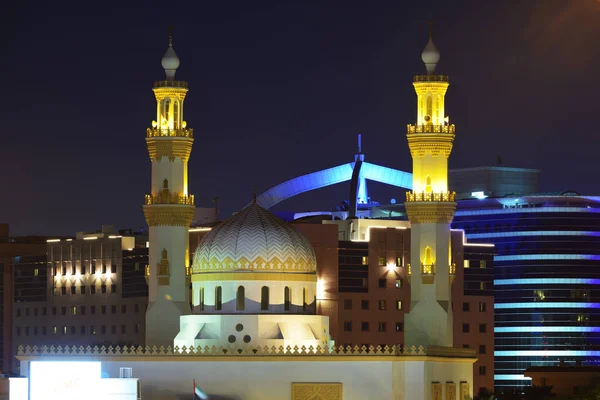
[[169, 209], [430, 209]]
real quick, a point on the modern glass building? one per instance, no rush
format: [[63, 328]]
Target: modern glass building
[[546, 279]]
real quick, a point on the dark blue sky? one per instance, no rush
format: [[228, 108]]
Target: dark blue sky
[[279, 89]]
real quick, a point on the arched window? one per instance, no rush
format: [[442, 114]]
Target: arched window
[[176, 114], [304, 305], [428, 184], [218, 297], [429, 109], [240, 298], [166, 184], [201, 299], [287, 298], [164, 122], [264, 298]]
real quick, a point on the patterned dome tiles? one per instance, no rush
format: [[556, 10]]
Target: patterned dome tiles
[[254, 239]]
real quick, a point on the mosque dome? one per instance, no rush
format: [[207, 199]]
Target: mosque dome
[[170, 62], [254, 240], [430, 56]]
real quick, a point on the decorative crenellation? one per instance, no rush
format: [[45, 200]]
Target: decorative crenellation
[[317, 391], [427, 128], [430, 212], [163, 265], [170, 84], [274, 264], [170, 147], [430, 196], [169, 215], [431, 78], [247, 350]]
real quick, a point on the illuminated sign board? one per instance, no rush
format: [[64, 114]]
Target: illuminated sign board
[[65, 380]]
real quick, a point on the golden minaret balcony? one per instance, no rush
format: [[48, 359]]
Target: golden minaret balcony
[[179, 132], [428, 128], [170, 84], [430, 196], [166, 197]]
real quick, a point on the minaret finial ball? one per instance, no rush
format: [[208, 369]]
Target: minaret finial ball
[[430, 54], [170, 61]]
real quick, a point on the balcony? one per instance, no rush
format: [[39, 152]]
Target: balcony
[[176, 84], [430, 78], [430, 196], [154, 132], [166, 197], [430, 128]]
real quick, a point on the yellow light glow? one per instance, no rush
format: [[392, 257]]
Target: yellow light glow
[[52, 240], [320, 289], [200, 229], [90, 238], [391, 267], [69, 240], [115, 236]]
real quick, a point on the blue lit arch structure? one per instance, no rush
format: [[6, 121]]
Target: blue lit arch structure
[[331, 176], [358, 172]]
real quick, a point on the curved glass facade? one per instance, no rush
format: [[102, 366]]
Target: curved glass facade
[[546, 277]]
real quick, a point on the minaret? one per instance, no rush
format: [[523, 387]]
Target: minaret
[[430, 208], [169, 208]]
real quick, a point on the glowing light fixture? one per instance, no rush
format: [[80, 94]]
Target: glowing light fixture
[[478, 195], [52, 240], [90, 238], [115, 236], [391, 267], [200, 229], [320, 289]]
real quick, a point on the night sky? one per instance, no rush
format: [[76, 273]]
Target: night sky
[[280, 89]]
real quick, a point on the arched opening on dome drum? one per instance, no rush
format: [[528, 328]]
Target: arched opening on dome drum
[[240, 298], [218, 298], [201, 298], [264, 298], [304, 305], [287, 298]]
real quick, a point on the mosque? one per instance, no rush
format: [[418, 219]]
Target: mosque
[[254, 331]]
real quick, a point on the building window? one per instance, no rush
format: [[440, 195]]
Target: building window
[[123, 308], [82, 310], [103, 268], [35, 331], [482, 370], [136, 308], [364, 304], [72, 329], [113, 309], [399, 305], [466, 307], [64, 330], [466, 328], [18, 312], [82, 330], [93, 268], [399, 261], [482, 264], [383, 283], [264, 298], [240, 298], [365, 260], [364, 326], [482, 328], [82, 289], [35, 312], [382, 304], [398, 283], [27, 312], [137, 328], [481, 349], [18, 331], [218, 297], [74, 310], [93, 289], [399, 326], [53, 310], [82, 268], [92, 329], [63, 310], [54, 330], [103, 288], [381, 261], [103, 309], [92, 309], [123, 329], [382, 327], [63, 290], [347, 326], [44, 331], [26, 331], [467, 264], [36, 272], [113, 329], [347, 304], [465, 346], [287, 298], [482, 306], [103, 329], [481, 285], [113, 288], [44, 311]]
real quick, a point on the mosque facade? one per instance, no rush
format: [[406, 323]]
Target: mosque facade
[[253, 330]]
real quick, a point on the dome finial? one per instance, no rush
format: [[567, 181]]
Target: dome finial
[[170, 61], [430, 54]]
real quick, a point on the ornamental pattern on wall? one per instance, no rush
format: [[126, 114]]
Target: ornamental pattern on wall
[[317, 391], [254, 239]]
